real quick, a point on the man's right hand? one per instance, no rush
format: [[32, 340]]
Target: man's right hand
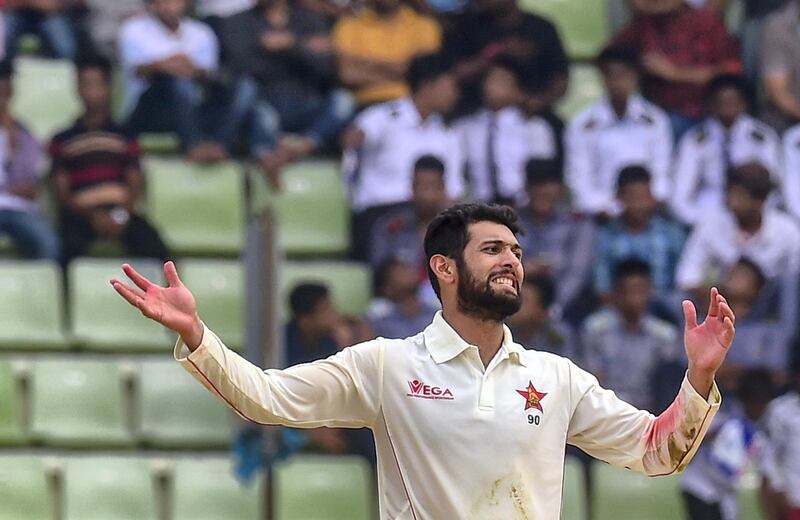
[[173, 306]]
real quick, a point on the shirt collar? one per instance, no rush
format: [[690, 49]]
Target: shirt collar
[[635, 110], [444, 343]]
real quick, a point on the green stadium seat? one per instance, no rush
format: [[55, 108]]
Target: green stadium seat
[[749, 496], [218, 288], [11, 428], [583, 24], [31, 306], [311, 209], [23, 489], [349, 282], [159, 144], [78, 403], [205, 489], [323, 488], [585, 87], [108, 488], [574, 507], [198, 209], [100, 319], [620, 494], [175, 411], [45, 97]]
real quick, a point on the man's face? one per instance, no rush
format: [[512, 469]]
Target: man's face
[[402, 281], [727, 105], [632, 295], [93, 89], [491, 275], [544, 197], [655, 7], [323, 319], [500, 89], [741, 288], [620, 79], [744, 206], [428, 193], [170, 11], [637, 201], [445, 92]]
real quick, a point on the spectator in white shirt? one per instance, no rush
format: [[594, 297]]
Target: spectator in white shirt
[[622, 129], [729, 137], [746, 227], [791, 170], [386, 140], [169, 62]]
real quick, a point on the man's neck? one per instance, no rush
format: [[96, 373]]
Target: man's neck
[[423, 108], [172, 26], [751, 226], [620, 107], [631, 322], [95, 118], [409, 306], [635, 225], [484, 334]]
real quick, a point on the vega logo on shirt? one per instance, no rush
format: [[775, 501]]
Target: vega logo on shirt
[[423, 391]]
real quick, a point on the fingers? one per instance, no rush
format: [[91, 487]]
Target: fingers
[[726, 311], [713, 303], [132, 296], [140, 281], [171, 274], [689, 314], [728, 331]]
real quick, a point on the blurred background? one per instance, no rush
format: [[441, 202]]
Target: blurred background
[[289, 154]]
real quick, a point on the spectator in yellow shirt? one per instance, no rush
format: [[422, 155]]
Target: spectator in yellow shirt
[[375, 47]]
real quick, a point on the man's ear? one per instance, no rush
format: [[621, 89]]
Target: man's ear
[[443, 268]]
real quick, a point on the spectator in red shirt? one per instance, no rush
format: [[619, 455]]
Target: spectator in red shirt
[[682, 49]]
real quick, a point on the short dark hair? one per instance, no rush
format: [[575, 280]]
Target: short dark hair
[[6, 69], [747, 263], [631, 266], [448, 233], [735, 82], [429, 162], [426, 68], [624, 54], [94, 61], [545, 286], [305, 297], [631, 175], [538, 171], [754, 178]]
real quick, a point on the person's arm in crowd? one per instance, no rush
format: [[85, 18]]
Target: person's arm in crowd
[[135, 180], [776, 63], [778, 90], [344, 390], [357, 72], [64, 193], [610, 429], [26, 161]]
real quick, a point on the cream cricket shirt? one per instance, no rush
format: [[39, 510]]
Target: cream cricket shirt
[[455, 440]]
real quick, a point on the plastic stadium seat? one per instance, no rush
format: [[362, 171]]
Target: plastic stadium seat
[[574, 507], [11, 429], [583, 24], [78, 404], [198, 209], [103, 488], [349, 282], [585, 87], [31, 306], [749, 496], [218, 287], [323, 488], [205, 489], [621, 494], [312, 209], [23, 489], [101, 319], [45, 96], [175, 411]]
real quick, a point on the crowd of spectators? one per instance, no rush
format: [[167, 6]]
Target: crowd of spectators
[[683, 175]]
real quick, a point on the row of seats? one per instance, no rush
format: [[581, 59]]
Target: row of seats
[[32, 306], [128, 488]]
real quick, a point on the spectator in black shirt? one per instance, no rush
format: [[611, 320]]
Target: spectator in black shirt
[[97, 175]]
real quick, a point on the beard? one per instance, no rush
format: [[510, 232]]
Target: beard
[[479, 300]]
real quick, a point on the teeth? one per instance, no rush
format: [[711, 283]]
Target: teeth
[[504, 281]]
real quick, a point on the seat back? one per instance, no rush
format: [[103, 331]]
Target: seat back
[[11, 428], [31, 306], [585, 87], [205, 489], [45, 96], [23, 489]]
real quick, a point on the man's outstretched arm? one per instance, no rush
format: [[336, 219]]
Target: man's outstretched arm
[[343, 390], [613, 430]]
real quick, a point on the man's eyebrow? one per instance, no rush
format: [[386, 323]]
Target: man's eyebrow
[[499, 242]]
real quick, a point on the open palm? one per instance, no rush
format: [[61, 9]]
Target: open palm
[[707, 344], [172, 306]]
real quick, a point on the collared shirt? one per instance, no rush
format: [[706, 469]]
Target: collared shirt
[[625, 360], [782, 425], [791, 170], [438, 414], [707, 152], [565, 243], [381, 171], [689, 38], [497, 147], [660, 245], [718, 243], [599, 144], [144, 40], [395, 39]]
